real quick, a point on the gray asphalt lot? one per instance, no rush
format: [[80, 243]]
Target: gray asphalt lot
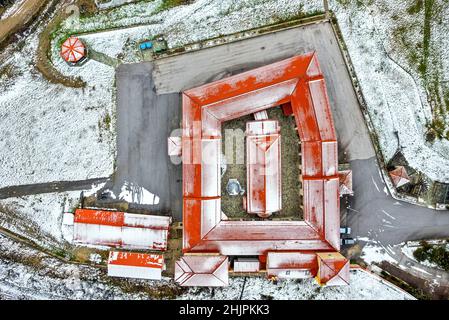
[[144, 121]]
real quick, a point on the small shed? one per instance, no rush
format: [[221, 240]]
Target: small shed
[[399, 176], [345, 178], [135, 265], [202, 271], [246, 265], [174, 146], [121, 229], [73, 50]]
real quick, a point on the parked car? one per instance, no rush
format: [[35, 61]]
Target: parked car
[[347, 241], [345, 230], [146, 45]]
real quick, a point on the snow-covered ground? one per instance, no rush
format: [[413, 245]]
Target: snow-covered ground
[[40, 216], [363, 285], [409, 248], [373, 252], [180, 25], [28, 274], [396, 98], [50, 132], [134, 194], [408, 251], [44, 211]]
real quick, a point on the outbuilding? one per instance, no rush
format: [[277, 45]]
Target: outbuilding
[[121, 229], [73, 51], [135, 265]]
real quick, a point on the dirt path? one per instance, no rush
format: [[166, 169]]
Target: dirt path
[[24, 13], [58, 186]]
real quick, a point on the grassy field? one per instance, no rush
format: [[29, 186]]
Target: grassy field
[[416, 37]]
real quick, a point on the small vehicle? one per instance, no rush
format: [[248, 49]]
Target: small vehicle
[[159, 45], [146, 45], [345, 230], [347, 241]]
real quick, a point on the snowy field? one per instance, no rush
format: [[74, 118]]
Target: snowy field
[[180, 25], [39, 217], [28, 274], [50, 132], [363, 285], [394, 93]]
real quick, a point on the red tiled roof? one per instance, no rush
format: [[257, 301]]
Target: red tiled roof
[[297, 81], [135, 265], [333, 269], [73, 50], [399, 176], [263, 171], [121, 229], [202, 271]]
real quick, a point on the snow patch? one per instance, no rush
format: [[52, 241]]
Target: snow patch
[[134, 194]]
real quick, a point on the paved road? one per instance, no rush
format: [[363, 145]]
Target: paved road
[[188, 70], [144, 121], [375, 214], [57, 186]]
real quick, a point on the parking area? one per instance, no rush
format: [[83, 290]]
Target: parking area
[[144, 121]]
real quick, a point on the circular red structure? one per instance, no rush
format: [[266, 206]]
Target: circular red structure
[[73, 50]]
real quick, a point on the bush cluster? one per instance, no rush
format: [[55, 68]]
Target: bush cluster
[[435, 254]]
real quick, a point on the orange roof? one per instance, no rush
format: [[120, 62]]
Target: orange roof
[[136, 259], [399, 176], [263, 162], [333, 269], [73, 50], [121, 229], [202, 271], [298, 81], [107, 218], [135, 265]]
